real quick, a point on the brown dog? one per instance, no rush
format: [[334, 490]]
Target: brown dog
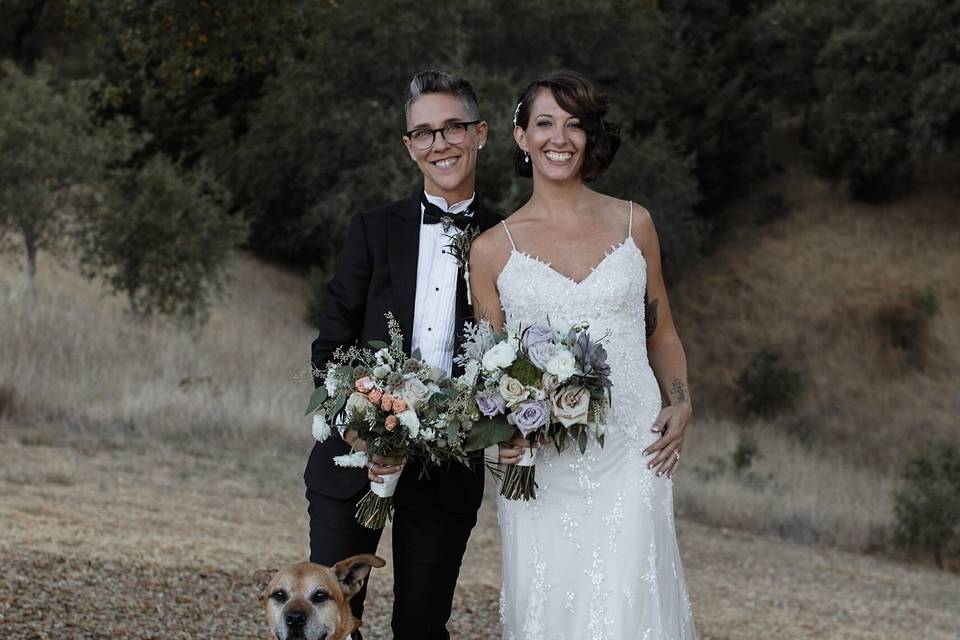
[[309, 601]]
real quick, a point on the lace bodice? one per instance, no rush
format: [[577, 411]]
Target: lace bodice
[[610, 298]]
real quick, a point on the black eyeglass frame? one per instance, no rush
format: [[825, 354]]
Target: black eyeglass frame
[[434, 132]]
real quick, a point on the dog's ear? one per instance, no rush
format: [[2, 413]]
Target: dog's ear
[[262, 578], [352, 572]]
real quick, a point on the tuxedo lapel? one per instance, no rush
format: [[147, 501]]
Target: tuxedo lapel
[[403, 247]]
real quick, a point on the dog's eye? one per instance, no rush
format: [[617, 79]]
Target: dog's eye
[[319, 597], [279, 595]]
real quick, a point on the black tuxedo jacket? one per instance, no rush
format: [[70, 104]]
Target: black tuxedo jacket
[[375, 273]]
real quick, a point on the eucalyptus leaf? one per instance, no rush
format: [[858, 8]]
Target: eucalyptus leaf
[[378, 344], [488, 432], [318, 397]]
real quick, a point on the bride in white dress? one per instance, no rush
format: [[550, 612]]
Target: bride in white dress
[[595, 555]]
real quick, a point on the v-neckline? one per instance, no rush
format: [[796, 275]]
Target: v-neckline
[[549, 267]]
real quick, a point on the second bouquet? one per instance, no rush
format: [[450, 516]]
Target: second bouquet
[[398, 405]]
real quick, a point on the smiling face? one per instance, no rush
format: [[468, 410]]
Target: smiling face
[[554, 139], [449, 170]]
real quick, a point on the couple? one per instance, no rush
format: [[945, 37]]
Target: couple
[[595, 555]]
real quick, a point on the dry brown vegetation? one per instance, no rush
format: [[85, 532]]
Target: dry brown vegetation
[[817, 286], [141, 540], [149, 468]]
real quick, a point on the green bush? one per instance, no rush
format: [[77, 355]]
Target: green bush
[[906, 324], [767, 386], [927, 505], [745, 451]]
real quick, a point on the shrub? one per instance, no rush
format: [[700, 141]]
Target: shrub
[[906, 324], [927, 506], [745, 451], [767, 386]]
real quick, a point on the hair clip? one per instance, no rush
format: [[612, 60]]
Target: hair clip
[[516, 113]]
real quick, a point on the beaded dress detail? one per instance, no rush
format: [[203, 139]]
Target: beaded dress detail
[[595, 555]]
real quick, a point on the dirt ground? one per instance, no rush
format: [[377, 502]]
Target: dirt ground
[[142, 541]]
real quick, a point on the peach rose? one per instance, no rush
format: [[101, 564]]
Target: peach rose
[[386, 402], [399, 405], [364, 384], [391, 423], [375, 395]]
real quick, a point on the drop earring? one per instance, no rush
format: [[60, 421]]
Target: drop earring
[[526, 158]]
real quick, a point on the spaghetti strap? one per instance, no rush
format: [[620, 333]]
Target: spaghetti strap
[[510, 237], [630, 224]]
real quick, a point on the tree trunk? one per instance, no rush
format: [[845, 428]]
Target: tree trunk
[[34, 14]]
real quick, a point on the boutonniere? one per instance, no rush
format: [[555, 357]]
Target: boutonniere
[[459, 248]]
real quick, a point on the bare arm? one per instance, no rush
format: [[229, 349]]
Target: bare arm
[[665, 351], [487, 258]]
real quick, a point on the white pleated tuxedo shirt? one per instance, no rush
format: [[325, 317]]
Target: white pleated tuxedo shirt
[[434, 310]]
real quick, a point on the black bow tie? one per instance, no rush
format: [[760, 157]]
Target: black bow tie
[[432, 214]]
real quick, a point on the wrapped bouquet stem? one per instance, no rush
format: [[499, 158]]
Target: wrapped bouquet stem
[[519, 480], [376, 508]]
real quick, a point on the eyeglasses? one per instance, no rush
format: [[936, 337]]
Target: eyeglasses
[[453, 133]]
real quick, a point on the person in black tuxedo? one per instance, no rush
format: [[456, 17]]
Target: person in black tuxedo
[[395, 259]]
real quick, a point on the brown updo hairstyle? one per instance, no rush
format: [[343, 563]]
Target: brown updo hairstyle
[[577, 96]]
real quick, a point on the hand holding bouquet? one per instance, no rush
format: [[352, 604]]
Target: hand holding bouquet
[[396, 404], [546, 383]]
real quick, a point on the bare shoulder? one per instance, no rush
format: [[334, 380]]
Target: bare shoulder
[[490, 250], [644, 230]]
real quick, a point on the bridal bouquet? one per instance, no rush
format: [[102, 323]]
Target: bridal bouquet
[[397, 404], [550, 384]]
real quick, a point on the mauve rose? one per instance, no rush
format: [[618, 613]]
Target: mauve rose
[[571, 405], [491, 404], [537, 334], [541, 353], [528, 416]]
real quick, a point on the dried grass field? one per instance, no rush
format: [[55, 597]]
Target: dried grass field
[[143, 540], [147, 469]]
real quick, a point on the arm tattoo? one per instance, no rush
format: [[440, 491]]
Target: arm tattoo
[[678, 391], [650, 314]]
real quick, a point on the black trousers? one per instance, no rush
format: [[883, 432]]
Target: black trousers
[[428, 548]]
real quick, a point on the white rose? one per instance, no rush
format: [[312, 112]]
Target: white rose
[[563, 365], [383, 357], [410, 420], [500, 356], [381, 371], [513, 391], [358, 403], [321, 430], [415, 393]]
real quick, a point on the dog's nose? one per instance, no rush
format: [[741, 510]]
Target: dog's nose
[[296, 619]]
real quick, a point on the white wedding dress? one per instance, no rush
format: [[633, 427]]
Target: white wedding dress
[[595, 555]]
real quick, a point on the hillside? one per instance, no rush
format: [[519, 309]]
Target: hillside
[[835, 285], [148, 468]]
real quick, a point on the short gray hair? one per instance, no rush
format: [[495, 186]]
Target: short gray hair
[[439, 82]]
